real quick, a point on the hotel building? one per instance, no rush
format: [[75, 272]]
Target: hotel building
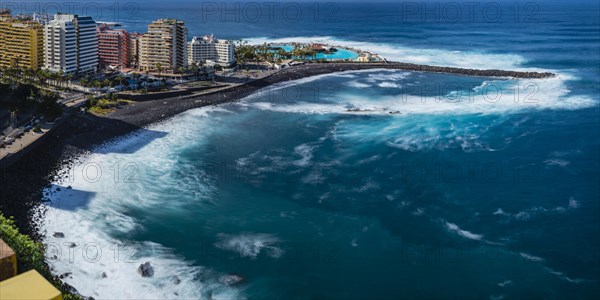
[[71, 45], [164, 45], [209, 49], [21, 43], [113, 46], [134, 49]]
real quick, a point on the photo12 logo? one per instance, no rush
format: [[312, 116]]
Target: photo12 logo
[[115, 11], [268, 12], [468, 12]]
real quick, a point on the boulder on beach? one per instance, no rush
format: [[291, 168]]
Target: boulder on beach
[[58, 234], [70, 289], [146, 269]]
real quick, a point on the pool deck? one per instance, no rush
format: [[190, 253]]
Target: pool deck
[[347, 53]]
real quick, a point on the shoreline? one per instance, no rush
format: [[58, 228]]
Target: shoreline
[[152, 111], [80, 134], [23, 183]]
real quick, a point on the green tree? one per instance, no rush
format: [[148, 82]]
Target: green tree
[[159, 68]]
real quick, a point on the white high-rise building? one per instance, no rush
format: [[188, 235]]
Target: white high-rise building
[[71, 45], [208, 48]]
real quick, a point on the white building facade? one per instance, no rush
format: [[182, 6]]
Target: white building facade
[[71, 45], [208, 49]]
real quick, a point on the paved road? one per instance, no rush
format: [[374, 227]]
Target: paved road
[[24, 141], [29, 137]]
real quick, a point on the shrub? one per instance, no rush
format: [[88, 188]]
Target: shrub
[[30, 254]]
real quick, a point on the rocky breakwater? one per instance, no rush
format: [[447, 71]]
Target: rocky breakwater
[[467, 72]]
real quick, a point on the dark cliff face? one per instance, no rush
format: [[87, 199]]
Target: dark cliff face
[[22, 182]]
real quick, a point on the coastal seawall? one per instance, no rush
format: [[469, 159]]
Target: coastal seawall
[[468, 72]]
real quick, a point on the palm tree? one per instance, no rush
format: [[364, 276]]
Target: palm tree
[[194, 68], [69, 78], [28, 73], [39, 75], [159, 68], [98, 84], [60, 77]]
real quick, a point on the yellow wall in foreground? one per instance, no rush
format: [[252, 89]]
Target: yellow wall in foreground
[[29, 285]]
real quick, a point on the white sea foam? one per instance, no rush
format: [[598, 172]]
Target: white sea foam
[[91, 209], [387, 84], [417, 212], [369, 185], [491, 97], [357, 84], [557, 162], [250, 244], [565, 153], [369, 159], [305, 152], [398, 52], [387, 75], [464, 233], [517, 95], [537, 259], [505, 283], [564, 277], [573, 203], [536, 211], [500, 212], [531, 257]]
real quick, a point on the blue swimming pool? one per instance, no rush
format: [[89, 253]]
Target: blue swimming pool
[[339, 54]]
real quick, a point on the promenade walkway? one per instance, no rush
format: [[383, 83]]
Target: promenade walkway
[[28, 138]]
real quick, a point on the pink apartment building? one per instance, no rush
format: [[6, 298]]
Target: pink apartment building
[[113, 46]]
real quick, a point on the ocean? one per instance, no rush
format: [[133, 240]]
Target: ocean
[[358, 185]]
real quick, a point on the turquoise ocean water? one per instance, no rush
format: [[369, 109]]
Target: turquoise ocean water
[[359, 185]]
